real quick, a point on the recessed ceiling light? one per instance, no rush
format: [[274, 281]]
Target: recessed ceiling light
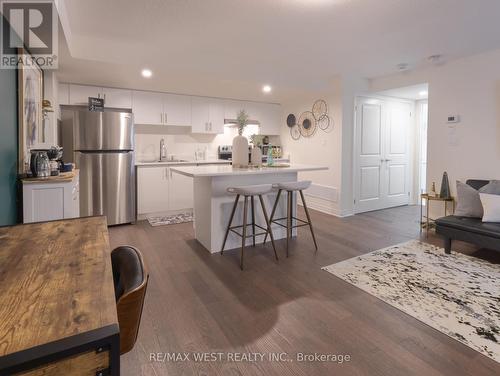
[[146, 73], [423, 93], [266, 89]]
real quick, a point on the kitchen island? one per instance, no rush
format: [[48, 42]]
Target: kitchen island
[[213, 204]]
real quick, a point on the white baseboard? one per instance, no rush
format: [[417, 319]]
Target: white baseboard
[[324, 199]]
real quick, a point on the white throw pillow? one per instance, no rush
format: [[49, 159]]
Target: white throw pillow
[[491, 207]]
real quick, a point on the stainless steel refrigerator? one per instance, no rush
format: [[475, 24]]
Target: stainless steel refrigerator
[[102, 144]]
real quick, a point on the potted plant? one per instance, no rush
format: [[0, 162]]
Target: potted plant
[[240, 143]]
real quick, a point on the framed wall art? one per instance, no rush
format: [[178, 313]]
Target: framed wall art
[[30, 91]]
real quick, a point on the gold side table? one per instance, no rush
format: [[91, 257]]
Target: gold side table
[[425, 221]]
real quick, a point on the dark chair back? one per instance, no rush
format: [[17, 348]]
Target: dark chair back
[[477, 184], [131, 279]]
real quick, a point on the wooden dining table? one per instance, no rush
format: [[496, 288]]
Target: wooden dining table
[[57, 302]]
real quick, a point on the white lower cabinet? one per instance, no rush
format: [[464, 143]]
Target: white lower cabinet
[[159, 190], [180, 192], [152, 190], [49, 200]]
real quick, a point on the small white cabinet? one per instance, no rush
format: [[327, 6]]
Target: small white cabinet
[[50, 200], [207, 115]]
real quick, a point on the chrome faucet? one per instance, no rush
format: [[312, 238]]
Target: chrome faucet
[[163, 150]]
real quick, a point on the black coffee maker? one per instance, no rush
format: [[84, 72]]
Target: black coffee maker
[[39, 163], [55, 159]]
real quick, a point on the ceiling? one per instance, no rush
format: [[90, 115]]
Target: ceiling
[[414, 92], [231, 48]]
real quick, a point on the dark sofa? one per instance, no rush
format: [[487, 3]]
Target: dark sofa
[[471, 230]]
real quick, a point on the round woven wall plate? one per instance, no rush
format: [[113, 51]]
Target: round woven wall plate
[[291, 120], [325, 124], [319, 108], [307, 124], [295, 132]]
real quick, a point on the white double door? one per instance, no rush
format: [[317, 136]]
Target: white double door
[[382, 154]]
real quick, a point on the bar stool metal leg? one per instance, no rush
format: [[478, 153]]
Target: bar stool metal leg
[[308, 219], [273, 212], [268, 223], [244, 237], [253, 220], [230, 222], [288, 220]]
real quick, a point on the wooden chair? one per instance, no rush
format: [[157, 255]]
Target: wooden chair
[[131, 279]]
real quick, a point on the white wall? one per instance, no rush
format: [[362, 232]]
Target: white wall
[[470, 88], [320, 149]]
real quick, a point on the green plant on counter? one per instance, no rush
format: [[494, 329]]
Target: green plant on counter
[[257, 139], [242, 121]]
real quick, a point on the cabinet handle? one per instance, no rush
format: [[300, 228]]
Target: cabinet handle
[[210, 126], [166, 121], [161, 117], [104, 98]]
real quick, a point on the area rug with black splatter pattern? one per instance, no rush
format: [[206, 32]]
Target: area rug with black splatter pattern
[[458, 295]]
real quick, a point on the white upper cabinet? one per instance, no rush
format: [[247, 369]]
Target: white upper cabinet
[[162, 109], [177, 110], [147, 107], [79, 94], [117, 98], [200, 115], [63, 93], [207, 115], [216, 115]]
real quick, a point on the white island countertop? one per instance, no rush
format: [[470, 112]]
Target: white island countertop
[[182, 162], [225, 170]]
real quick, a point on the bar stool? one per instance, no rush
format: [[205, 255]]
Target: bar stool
[[249, 191], [291, 187]]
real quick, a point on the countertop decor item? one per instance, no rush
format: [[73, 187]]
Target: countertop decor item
[[307, 124], [256, 156], [445, 187], [240, 143]]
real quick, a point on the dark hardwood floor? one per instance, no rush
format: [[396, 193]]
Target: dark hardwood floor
[[198, 302]]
